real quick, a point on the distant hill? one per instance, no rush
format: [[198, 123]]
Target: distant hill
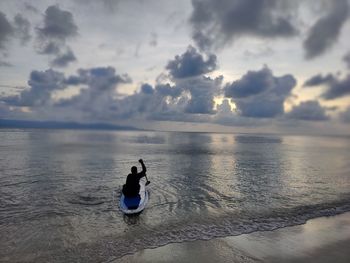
[[22, 124]]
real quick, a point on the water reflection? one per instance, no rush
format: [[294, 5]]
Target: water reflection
[[252, 139], [258, 171]]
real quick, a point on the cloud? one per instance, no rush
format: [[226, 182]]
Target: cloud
[[228, 117], [22, 28], [225, 116], [259, 94], [58, 27], [319, 80], [202, 91], [19, 29], [50, 48], [98, 98], [147, 89], [147, 105], [5, 64], [168, 90], [309, 111], [109, 6], [58, 24], [335, 87], [42, 84], [346, 59], [31, 8], [325, 32], [100, 84], [252, 83], [187, 100], [62, 60], [6, 30], [217, 23], [191, 64]]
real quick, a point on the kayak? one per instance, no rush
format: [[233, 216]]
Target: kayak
[[134, 205]]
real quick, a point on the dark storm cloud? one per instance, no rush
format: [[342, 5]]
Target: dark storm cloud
[[42, 84], [6, 30], [325, 32], [259, 94], [216, 23], [309, 111], [58, 26], [62, 60], [335, 87], [319, 80], [191, 64]]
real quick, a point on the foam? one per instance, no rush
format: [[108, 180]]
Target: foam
[[114, 247]]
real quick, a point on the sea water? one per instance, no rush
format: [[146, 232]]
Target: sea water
[[59, 189]]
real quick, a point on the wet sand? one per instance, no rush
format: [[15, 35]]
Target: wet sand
[[325, 239]]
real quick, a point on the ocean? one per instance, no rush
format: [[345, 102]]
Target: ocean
[[59, 189]]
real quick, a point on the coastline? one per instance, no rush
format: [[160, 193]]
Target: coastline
[[323, 239]]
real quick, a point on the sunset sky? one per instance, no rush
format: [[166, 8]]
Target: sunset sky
[[211, 65]]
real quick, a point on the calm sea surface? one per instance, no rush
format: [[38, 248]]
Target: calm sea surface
[[59, 189]]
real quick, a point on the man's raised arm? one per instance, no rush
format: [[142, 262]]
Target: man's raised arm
[[143, 166]]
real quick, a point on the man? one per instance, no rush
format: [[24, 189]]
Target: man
[[132, 186]]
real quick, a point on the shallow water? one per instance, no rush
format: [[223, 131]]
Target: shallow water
[[60, 189]]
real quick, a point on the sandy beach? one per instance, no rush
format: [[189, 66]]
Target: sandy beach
[[325, 239]]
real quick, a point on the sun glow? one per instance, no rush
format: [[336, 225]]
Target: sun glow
[[219, 100]]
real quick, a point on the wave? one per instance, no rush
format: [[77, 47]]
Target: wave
[[116, 246]]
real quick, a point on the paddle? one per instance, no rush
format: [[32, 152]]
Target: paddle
[[144, 168], [147, 182]]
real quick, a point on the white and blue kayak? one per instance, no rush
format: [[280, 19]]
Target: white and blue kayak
[[134, 205]]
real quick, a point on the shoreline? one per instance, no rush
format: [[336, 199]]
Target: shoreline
[[322, 239]]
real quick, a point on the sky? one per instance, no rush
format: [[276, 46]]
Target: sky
[[272, 66]]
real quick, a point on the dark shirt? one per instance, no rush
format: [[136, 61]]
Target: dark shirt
[[132, 186]]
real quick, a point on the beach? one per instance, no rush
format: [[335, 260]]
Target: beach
[[324, 239]]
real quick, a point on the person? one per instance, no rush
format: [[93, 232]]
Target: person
[[132, 186]]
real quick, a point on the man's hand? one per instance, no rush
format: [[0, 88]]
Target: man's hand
[[143, 166]]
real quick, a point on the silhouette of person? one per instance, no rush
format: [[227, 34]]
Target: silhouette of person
[[132, 186]]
